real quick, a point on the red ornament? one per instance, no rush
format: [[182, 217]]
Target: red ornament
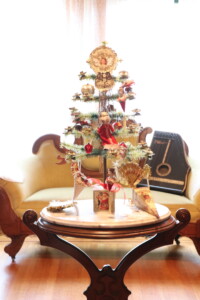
[[88, 148], [122, 144], [123, 104], [117, 125]]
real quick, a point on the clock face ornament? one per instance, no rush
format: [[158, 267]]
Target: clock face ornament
[[103, 61]]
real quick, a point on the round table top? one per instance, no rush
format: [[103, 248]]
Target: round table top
[[83, 216]]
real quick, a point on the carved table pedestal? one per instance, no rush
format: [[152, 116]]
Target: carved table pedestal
[[106, 283]]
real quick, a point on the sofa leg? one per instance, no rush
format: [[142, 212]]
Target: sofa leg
[[192, 230], [196, 242], [13, 248], [12, 226]]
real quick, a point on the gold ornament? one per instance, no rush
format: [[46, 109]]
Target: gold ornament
[[87, 90], [123, 75], [104, 82], [58, 206], [103, 59], [132, 173], [131, 95]]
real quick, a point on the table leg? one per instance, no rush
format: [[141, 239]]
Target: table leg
[[106, 283]]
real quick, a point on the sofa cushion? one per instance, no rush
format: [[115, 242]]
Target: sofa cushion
[[42, 198], [193, 184], [197, 198], [174, 202]]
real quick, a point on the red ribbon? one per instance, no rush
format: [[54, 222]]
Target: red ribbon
[[115, 187]]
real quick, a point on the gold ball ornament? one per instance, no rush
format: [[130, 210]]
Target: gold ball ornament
[[87, 90], [123, 75]]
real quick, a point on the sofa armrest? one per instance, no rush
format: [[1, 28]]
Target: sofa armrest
[[197, 199], [14, 191], [193, 184]]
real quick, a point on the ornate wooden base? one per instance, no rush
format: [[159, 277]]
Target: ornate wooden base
[[108, 283]]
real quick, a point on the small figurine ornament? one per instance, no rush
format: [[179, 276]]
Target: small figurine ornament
[[106, 130], [111, 179]]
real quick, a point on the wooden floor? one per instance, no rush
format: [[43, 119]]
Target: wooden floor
[[41, 273]]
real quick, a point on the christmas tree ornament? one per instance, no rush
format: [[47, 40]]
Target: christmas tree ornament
[[76, 96], [68, 130], [132, 173], [117, 125], [127, 85], [82, 75], [104, 81], [136, 112], [78, 127], [132, 127], [123, 75], [111, 178], [131, 95], [106, 130], [87, 90], [103, 60], [122, 144], [88, 148], [123, 103]]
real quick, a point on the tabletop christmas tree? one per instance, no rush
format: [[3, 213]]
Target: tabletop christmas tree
[[108, 134]]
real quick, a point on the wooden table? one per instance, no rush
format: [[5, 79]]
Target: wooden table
[[106, 283]]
